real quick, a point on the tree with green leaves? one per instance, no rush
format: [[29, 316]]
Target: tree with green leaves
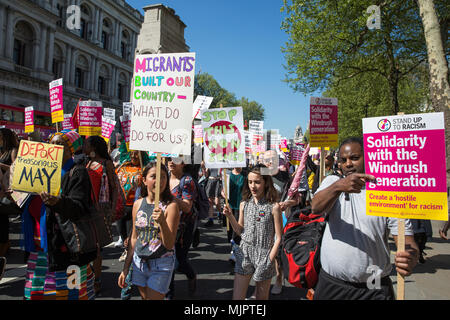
[[252, 110], [206, 85], [330, 43]]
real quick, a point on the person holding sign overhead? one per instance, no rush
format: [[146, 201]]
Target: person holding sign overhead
[[355, 252], [49, 257]]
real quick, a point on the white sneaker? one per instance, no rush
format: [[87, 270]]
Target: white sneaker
[[118, 243], [123, 256], [277, 288]]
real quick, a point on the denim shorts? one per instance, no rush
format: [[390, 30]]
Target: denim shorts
[[155, 273]]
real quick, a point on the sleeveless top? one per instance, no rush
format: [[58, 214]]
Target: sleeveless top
[[95, 172], [148, 244], [259, 225]]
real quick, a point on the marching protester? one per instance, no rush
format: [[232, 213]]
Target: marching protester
[[422, 231], [260, 229], [354, 243], [151, 248], [8, 153], [235, 184], [103, 179], [130, 176], [44, 239], [213, 187], [185, 193]]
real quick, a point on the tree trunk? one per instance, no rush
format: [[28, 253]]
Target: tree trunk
[[393, 74], [439, 86]]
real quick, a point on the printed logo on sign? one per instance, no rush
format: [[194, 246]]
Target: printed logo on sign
[[384, 125]]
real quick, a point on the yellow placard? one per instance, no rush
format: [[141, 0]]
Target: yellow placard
[[29, 129], [38, 168], [323, 140], [58, 116], [407, 205], [90, 131]]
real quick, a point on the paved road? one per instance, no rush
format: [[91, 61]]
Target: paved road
[[215, 281]]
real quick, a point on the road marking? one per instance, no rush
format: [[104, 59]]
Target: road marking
[[14, 274]]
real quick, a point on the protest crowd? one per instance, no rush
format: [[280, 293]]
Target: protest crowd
[[261, 200], [312, 212]]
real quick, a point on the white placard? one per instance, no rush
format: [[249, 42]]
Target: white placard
[[224, 139], [162, 97], [200, 103]]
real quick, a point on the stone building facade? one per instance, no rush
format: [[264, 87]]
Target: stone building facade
[[94, 58], [39, 42], [162, 31]]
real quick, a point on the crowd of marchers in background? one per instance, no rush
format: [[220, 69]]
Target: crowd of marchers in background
[[156, 240]]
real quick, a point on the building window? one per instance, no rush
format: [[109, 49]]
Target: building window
[[104, 40], [83, 29], [60, 10], [101, 85], [123, 50], [120, 91], [79, 75], [19, 52], [56, 68]]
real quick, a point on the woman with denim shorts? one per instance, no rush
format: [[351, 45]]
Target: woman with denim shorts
[[153, 237]]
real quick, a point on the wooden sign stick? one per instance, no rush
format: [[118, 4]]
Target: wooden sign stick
[[400, 248], [225, 187], [322, 164], [225, 182], [158, 182]]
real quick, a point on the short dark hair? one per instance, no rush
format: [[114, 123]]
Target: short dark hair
[[358, 140]]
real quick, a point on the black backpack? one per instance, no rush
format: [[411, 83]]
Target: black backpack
[[302, 237], [201, 202]]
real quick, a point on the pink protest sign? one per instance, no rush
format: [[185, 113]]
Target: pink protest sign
[[90, 118], [67, 123], [29, 119], [406, 154], [323, 122], [56, 100], [283, 143], [295, 156], [107, 128], [198, 134], [125, 122]]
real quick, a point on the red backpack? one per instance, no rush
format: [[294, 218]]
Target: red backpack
[[302, 237]]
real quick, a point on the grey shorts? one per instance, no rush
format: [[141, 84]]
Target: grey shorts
[[213, 188], [253, 261]]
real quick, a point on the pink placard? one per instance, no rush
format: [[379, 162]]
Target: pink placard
[[107, 127], [56, 100], [29, 116], [125, 122], [90, 118], [68, 124], [324, 119], [388, 159]]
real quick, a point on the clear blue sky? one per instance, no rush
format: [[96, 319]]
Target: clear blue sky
[[239, 43]]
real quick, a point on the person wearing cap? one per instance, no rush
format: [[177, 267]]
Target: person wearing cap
[[49, 258]]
